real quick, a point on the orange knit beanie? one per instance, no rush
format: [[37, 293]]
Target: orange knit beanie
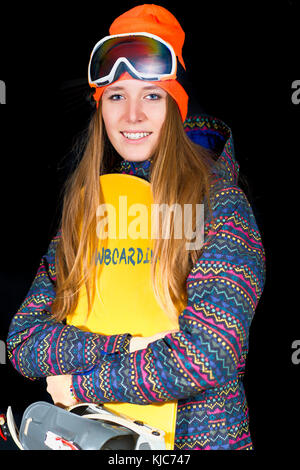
[[156, 20]]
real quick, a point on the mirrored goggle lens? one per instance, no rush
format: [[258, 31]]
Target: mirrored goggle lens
[[145, 54]]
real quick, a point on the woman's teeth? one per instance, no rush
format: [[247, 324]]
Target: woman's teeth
[[135, 136]]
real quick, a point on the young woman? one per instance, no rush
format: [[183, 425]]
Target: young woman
[[140, 128]]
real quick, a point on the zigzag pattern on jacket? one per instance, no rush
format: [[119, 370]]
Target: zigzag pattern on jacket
[[202, 365], [50, 347]]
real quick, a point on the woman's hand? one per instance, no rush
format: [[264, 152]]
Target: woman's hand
[[58, 386], [138, 342]]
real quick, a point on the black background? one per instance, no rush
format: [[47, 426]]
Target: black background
[[242, 58]]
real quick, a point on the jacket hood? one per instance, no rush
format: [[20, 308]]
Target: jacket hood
[[212, 133]]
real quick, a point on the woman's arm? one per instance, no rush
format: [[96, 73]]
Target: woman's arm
[[39, 346], [60, 386], [224, 288]]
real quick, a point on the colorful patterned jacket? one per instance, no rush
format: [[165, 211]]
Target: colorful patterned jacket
[[202, 365]]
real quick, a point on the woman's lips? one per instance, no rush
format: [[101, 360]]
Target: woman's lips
[[133, 137]]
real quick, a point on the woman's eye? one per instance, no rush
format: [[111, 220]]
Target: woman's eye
[[154, 96], [115, 97]]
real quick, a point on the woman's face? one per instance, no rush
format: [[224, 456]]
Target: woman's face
[[133, 113]]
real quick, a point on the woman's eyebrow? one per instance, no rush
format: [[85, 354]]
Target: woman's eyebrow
[[114, 88], [120, 88]]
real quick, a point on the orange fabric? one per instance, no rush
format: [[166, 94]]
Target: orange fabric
[[156, 20], [152, 19], [170, 86]]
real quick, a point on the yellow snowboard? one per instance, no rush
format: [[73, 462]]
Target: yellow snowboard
[[125, 301]]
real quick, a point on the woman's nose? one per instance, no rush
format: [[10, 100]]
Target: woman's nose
[[134, 111]]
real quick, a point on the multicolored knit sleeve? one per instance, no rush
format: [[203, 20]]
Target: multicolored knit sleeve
[[224, 287], [39, 346]]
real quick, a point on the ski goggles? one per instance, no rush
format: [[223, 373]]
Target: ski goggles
[[144, 55]]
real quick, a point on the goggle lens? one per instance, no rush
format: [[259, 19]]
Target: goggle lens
[[145, 54]]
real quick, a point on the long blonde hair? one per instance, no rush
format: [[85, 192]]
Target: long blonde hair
[[180, 173]]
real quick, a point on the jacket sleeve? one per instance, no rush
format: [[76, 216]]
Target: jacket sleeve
[[223, 287], [39, 346]]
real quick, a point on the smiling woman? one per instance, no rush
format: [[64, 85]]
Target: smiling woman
[[133, 115], [190, 371]]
